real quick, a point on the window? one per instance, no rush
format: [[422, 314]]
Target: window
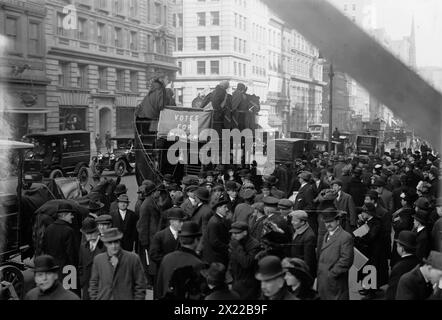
[[65, 74], [124, 123], [354, 7], [345, 7], [244, 46], [201, 43], [239, 68], [73, 118], [239, 45], [244, 70], [102, 78], [214, 67], [245, 23], [165, 15], [180, 44], [174, 20], [133, 40], [101, 33], [133, 9], [215, 18], [118, 37], [102, 4], [120, 80], [235, 68], [34, 38], [60, 30], [134, 81], [180, 19], [82, 29], [118, 7], [180, 68], [236, 20], [158, 13], [235, 44], [201, 18], [214, 42], [83, 79], [201, 67]]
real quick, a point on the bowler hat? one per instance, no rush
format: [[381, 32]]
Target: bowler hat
[[330, 215], [89, 225], [232, 185], [202, 193], [373, 194], [111, 234], [173, 187], [45, 263], [120, 189], [336, 181], [422, 203], [104, 219], [409, 196], [269, 268], [285, 204], [190, 229], [239, 226], [175, 214], [421, 216], [272, 180], [407, 239], [434, 260], [123, 198], [216, 273], [168, 178]]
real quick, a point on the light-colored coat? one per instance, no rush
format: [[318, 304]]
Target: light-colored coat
[[335, 259]]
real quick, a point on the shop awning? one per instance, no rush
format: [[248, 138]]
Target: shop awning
[[27, 111]]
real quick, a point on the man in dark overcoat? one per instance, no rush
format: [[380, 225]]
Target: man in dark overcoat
[[335, 259], [185, 256], [304, 198], [243, 249]]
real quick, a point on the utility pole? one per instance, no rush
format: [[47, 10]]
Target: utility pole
[[330, 109]]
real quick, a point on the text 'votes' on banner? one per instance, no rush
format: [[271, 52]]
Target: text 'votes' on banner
[[172, 118]]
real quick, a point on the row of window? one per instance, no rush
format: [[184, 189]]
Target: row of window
[[214, 43], [239, 45], [241, 3], [66, 79], [258, 62], [240, 22], [214, 18], [21, 30], [258, 32], [177, 20], [201, 67], [239, 69]]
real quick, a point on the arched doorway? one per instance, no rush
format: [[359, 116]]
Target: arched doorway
[[105, 124]]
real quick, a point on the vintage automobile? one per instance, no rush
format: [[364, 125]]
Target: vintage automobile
[[367, 145], [320, 146], [121, 159], [58, 154]]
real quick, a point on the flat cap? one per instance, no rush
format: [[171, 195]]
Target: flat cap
[[285, 204], [270, 201]]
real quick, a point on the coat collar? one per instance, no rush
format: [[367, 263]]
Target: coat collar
[[332, 238]]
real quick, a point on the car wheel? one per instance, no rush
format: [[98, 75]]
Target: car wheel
[[83, 176], [14, 276], [57, 173], [120, 168]]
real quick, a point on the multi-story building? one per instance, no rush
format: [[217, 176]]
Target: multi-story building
[[433, 75], [243, 41], [100, 59], [23, 78]]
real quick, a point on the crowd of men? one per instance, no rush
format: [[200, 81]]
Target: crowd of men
[[231, 233]]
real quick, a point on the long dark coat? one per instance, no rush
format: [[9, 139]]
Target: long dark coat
[[402, 220], [60, 241], [216, 241], [345, 203], [128, 227], [172, 261], [304, 247], [85, 265], [149, 221], [357, 190], [256, 227], [423, 240], [55, 293], [335, 259], [402, 266], [412, 286], [243, 267], [152, 104]]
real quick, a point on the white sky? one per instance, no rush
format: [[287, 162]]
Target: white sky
[[395, 17]]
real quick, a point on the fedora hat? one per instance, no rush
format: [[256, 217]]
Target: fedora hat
[[190, 229], [65, 206], [190, 179], [94, 206], [269, 268], [434, 259], [407, 239], [120, 189], [330, 215], [104, 219], [202, 194], [221, 201], [175, 214], [285, 204], [216, 273], [45, 263], [111, 234], [89, 225], [422, 203], [191, 188], [421, 216], [123, 198], [305, 175], [149, 187], [336, 181], [232, 185]]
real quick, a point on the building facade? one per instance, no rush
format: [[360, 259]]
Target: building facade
[[23, 80], [243, 41]]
